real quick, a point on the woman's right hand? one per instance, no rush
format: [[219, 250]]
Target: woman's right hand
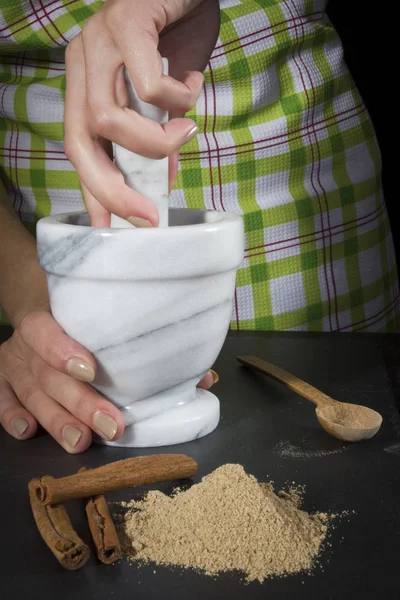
[[44, 374], [44, 378]]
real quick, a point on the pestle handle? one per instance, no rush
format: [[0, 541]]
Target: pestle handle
[[147, 176]]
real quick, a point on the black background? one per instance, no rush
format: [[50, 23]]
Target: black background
[[257, 416], [367, 31]]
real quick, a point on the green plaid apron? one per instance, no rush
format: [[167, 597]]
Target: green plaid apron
[[285, 141]]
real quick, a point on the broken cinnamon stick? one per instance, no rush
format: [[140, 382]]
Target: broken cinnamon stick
[[56, 530], [142, 470], [102, 528]]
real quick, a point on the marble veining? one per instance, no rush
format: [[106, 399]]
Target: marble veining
[[147, 176], [153, 305]]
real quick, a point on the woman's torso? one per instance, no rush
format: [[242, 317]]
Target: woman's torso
[[284, 140]]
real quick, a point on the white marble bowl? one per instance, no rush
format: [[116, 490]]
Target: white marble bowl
[[153, 306]]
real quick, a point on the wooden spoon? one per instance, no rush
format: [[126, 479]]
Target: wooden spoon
[[347, 422]]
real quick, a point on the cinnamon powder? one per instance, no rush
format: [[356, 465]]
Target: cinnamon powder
[[229, 521]]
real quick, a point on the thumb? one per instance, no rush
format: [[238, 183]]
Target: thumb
[[42, 334]]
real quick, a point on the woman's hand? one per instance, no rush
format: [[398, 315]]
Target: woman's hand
[[44, 378], [135, 34]]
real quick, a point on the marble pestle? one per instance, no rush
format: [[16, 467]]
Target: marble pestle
[[147, 176]]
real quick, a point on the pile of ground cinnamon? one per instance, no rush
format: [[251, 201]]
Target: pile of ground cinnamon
[[229, 521]]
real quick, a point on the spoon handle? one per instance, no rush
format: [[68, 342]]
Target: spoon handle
[[291, 381]]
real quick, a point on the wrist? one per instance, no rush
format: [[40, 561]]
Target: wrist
[[25, 292], [23, 286], [38, 302]]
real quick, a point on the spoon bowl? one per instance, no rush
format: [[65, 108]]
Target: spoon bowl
[[344, 421], [349, 422]]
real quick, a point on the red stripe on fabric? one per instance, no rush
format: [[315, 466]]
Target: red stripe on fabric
[[377, 317], [29, 15], [30, 158], [10, 168], [4, 37], [215, 138], [38, 18], [208, 144], [264, 29], [316, 239], [36, 60], [299, 45], [265, 37], [254, 143], [396, 314], [322, 122], [17, 143], [237, 310], [12, 123], [30, 151], [22, 19], [4, 86], [375, 213], [52, 23], [319, 167], [305, 132], [206, 152], [12, 156], [33, 66]]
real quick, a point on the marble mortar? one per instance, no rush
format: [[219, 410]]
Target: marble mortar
[[152, 305]]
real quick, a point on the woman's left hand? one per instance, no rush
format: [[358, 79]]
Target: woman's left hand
[[135, 35]]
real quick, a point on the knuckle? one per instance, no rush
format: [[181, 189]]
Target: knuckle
[[26, 394], [70, 147], [3, 354], [27, 325], [164, 149], [163, 152], [111, 193], [69, 50], [82, 406], [72, 48], [148, 91], [41, 374], [89, 26], [8, 361], [111, 14], [101, 119]]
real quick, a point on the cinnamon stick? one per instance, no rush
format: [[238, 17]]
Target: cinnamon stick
[[56, 530], [102, 528], [143, 470]]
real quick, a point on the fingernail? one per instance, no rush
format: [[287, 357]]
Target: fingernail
[[106, 425], [71, 436], [215, 376], [139, 222], [20, 425], [192, 133], [80, 369]]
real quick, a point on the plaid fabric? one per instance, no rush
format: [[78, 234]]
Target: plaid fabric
[[285, 141]]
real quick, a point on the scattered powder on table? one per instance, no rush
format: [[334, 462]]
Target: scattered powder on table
[[287, 450], [229, 521]]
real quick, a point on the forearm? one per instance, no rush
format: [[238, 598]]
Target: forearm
[[23, 286]]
